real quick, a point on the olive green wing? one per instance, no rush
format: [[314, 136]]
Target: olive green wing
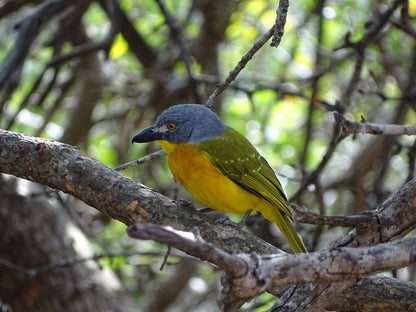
[[237, 159]]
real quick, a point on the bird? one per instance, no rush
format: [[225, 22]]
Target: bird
[[219, 167]]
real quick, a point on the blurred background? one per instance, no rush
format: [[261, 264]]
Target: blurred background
[[93, 73]]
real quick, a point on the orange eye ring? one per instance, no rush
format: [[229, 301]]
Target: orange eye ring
[[171, 126]]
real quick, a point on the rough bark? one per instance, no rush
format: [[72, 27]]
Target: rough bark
[[247, 276], [392, 220], [377, 293]]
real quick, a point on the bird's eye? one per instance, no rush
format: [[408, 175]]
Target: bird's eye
[[171, 126]]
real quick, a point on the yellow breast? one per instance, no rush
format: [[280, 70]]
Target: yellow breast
[[193, 169]]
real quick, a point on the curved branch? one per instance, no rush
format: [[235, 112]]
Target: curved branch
[[192, 244], [247, 276]]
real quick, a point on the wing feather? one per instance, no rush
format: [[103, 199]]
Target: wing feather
[[237, 159]]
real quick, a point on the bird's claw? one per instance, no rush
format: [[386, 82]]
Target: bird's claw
[[227, 222]]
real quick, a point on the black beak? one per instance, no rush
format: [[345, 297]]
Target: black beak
[[148, 135]]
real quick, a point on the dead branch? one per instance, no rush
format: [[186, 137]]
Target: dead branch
[[65, 168], [376, 293]]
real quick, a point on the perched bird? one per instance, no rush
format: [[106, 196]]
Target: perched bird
[[219, 167]]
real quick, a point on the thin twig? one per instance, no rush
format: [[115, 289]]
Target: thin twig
[[336, 138], [309, 126], [241, 64], [140, 160], [165, 258], [31, 273], [253, 86], [304, 215]]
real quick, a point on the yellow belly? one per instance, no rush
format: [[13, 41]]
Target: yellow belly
[[205, 182], [211, 188]]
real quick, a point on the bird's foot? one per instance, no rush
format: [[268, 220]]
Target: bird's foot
[[244, 219], [227, 222]]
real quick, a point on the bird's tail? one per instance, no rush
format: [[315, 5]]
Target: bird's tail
[[286, 228]]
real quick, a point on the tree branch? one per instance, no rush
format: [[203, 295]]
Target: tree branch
[[351, 127], [304, 215], [394, 218], [141, 160], [63, 167], [279, 24], [276, 31], [377, 293], [248, 276], [191, 243]]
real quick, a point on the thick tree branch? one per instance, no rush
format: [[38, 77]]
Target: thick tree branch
[[393, 219], [63, 167], [377, 293], [248, 276]]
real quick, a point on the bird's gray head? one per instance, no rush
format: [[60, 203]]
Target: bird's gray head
[[189, 123]]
